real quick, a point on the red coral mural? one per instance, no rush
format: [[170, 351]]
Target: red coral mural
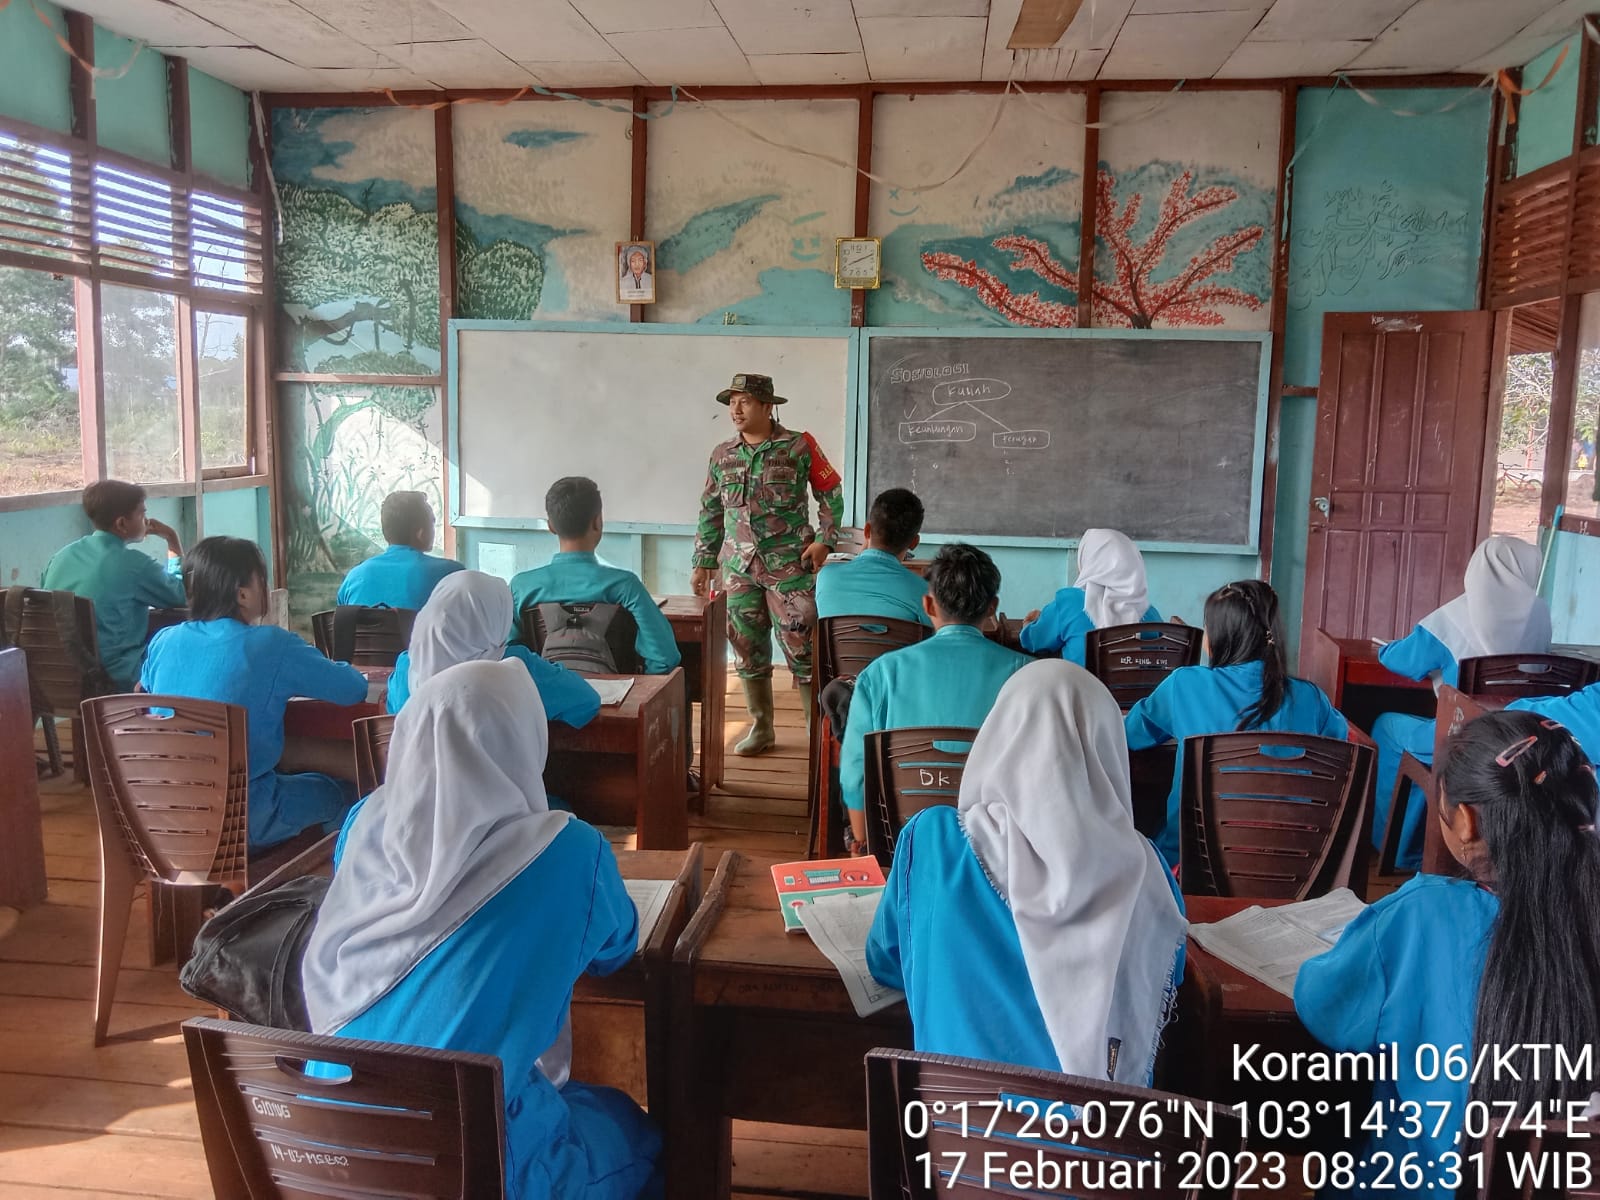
[[1131, 298]]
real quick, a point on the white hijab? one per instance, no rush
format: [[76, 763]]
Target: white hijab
[[466, 619], [1500, 611], [1111, 574], [461, 813], [1046, 806]]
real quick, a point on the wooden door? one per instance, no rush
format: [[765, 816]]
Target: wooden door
[[1402, 415]]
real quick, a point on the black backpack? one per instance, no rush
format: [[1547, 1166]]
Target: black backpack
[[591, 639], [247, 957]]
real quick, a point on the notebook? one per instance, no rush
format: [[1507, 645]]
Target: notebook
[[799, 883]]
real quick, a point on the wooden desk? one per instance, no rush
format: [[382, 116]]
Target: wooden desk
[[1360, 686], [626, 767], [763, 1030], [22, 877], [700, 627], [1008, 632], [317, 734]]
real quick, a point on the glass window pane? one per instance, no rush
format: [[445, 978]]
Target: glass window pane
[[220, 341], [1583, 496], [41, 448], [139, 349]]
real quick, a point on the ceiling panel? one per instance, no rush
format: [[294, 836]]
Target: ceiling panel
[[810, 68], [157, 22], [252, 69], [1440, 35], [374, 21], [1265, 60], [924, 8], [635, 16], [788, 27], [367, 79], [1329, 20], [459, 64], [687, 56], [923, 47], [533, 30], [1158, 7], [1176, 46], [283, 28], [615, 73], [1096, 25]]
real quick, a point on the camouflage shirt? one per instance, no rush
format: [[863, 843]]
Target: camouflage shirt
[[755, 502]]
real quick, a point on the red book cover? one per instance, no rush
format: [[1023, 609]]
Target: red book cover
[[798, 882]]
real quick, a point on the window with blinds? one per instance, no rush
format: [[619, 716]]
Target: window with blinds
[[43, 201]]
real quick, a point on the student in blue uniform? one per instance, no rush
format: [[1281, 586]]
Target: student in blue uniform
[[1507, 958], [951, 678], [1110, 590], [465, 620], [876, 582], [1032, 924], [405, 574], [577, 576], [223, 654], [1499, 612], [460, 915], [1246, 686], [124, 583], [1579, 712]]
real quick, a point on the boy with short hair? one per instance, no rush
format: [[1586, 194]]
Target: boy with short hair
[[876, 582], [951, 678], [404, 575], [124, 583], [577, 576]]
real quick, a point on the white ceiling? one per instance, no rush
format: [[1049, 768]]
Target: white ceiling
[[360, 45]]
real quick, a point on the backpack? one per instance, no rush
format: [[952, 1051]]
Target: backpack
[[591, 639], [247, 957]]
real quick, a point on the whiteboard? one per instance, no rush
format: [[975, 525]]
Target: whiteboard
[[632, 407]]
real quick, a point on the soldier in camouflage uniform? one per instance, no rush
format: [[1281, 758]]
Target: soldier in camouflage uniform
[[754, 517]]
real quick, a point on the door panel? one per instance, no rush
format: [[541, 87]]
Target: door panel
[[1398, 468]]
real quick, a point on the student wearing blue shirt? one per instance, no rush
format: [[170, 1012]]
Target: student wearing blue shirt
[[577, 576], [461, 913], [465, 620], [223, 654], [1247, 686], [124, 583], [951, 678], [876, 582], [1032, 924], [1111, 590], [1507, 958], [405, 574], [1499, 612], [1579, 712]]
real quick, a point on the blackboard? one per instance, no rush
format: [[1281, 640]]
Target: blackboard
[[1044, 437]]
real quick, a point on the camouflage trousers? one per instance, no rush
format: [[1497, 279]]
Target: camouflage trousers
[[756, 604]]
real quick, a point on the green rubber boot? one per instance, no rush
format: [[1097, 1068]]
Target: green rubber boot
[[758, 699]]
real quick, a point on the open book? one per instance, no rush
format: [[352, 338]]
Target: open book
[[612, 691], [1270, 944]]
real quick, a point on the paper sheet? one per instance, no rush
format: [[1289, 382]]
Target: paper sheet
[[1271, 944], [649, 897], [612, 691], [839, 924]]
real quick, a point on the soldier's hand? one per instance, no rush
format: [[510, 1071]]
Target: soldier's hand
[[700, 580], [814, 556]]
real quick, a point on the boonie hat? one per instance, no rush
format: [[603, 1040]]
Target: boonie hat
[[759, 386]]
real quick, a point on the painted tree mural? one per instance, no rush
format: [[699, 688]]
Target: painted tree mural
[[1142, 286]]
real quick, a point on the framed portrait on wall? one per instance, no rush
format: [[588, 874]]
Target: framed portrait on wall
[[636, 272]]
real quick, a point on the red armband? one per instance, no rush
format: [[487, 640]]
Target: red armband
[[823, 477]]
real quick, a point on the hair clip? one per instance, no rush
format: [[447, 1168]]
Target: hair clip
[[1585, 828], [1541, 776], [1516, 750]]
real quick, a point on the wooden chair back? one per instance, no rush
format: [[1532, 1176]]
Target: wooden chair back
[[363, 637], [372, 736], [172, 776], [909, 770], [1132, 660], [1041, 1121], [1274, 815], [1562, 1159], [1508, 677], [163, 618], [846, 645], [63, 652], [403, 1121]]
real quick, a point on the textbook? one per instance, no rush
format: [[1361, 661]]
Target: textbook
[[799, 883], [612, 691], [1271, 944]]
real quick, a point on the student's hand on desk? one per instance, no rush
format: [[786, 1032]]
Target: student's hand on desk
[[165, 532], [814, 556], [700, 580]]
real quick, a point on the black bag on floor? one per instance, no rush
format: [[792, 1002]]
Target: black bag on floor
[[247, 957]]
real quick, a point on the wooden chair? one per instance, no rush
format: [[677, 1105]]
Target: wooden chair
[[22, 872], [1498, 679], [405, 1121], [372, 736], [842, 647], [1274, 815], [1132, 660], [63, 660], [1564, 1156], [622, 639], [909, 770], [171, 782], [1038, 1120], [363, 637]]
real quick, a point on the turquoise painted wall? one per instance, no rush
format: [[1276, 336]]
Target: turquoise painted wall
[[130, 110], [1544, 126], [219, 129], [34, 82], [1571, 581]]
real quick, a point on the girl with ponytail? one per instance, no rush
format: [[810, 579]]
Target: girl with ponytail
[[1246, 686], [1508, 957]]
